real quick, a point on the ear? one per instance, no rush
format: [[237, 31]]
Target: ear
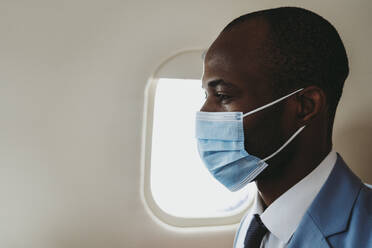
[[312, 103]]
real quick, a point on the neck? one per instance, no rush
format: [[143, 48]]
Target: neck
[[277, 180]]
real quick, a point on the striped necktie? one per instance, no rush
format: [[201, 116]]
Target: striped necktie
[[255, 233]]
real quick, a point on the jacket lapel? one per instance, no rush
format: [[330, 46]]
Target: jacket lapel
[[308, 235], [330, 211]]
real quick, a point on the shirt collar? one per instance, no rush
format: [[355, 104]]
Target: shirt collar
[[284, 215]]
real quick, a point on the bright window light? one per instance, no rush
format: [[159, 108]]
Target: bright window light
[[180, 184]]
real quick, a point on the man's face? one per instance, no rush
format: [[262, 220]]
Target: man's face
[[235, 79]]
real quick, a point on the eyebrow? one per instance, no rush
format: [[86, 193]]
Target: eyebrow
[[219, 82]]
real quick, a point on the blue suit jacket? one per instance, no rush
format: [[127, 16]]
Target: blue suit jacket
[[340, 215]]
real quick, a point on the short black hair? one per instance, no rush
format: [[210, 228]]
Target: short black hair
[[303, 49]]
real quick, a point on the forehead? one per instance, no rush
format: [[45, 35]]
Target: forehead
[[237, 55]]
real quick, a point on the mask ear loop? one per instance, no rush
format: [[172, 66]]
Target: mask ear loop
[[285, 144], [272, 103], [264, 165], [259, 169], [268, 105]]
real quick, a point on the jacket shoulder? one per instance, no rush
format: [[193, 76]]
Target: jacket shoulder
[[358, 233]]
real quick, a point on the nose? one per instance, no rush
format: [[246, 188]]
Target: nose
[[209, 106], [204, 108]]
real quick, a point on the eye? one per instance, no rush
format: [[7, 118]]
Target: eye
[[222, 97]]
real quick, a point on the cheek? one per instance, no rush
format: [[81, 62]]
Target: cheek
[[219, 106], [212, 105], [263, 133], [239, 104]]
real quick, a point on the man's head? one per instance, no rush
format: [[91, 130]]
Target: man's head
[[264, 55]]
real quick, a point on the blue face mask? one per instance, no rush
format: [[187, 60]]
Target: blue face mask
[[220, 138]]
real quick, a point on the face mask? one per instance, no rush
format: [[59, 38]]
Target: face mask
[[220, 137]]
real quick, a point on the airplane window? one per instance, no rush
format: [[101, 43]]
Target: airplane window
[[180, 184]]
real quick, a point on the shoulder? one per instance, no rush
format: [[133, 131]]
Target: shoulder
[[343, 209], [359, 229], [363, 205]]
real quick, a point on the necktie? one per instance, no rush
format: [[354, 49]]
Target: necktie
[[255, 233]]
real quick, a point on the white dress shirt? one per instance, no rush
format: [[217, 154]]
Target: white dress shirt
[[284, 215]]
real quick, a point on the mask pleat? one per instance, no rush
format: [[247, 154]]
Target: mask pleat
[[219, 145], [233, 178], [221, 158], [222, 130]]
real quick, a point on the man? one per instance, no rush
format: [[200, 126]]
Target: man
[[275, 77]]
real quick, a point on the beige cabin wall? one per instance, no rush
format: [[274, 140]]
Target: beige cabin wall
[[72, 82]]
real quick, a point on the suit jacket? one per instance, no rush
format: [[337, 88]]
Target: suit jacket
[[340, 215]]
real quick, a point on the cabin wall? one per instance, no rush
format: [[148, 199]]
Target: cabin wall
[[72, 81]]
